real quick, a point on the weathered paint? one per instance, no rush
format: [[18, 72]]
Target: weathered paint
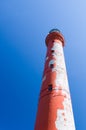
[[54, 108]]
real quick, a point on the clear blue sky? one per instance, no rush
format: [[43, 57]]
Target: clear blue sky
[[24, 25]]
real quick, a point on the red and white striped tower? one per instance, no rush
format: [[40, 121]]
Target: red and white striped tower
[[54, 108]]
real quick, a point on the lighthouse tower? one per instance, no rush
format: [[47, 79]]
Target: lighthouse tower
[[54, 107]]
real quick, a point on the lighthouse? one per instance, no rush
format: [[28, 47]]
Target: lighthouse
[[54, 106]]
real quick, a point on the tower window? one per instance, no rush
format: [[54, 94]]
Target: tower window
[[52, 51], [51, 63], [51, 66], [50, 87]]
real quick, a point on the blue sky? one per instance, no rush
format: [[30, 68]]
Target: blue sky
[[24, 25]]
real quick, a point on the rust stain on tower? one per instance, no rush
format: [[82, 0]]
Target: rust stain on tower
[[54, 107]]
